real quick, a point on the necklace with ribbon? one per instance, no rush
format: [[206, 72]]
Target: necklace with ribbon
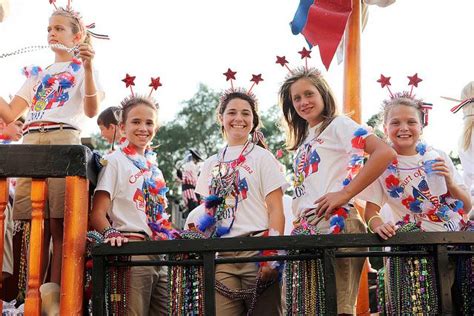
[[154, 191], [223, 193]]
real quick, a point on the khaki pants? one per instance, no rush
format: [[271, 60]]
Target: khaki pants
[[348, 270], [8, 241], [148, 290], [56, 186], [243, 276]]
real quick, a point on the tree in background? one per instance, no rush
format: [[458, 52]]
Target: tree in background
[[195, 127]]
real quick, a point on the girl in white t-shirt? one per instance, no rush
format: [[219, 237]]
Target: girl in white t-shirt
[[131, 191], [405, 187], [243, 190], [58, 100], [329, 154]]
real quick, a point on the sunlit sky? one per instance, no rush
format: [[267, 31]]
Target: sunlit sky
[[191, 42]]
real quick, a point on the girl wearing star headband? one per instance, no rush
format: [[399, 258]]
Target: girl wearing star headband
[[408, 189], [329, 154], [131, 191], [58, 100], [243, 190]]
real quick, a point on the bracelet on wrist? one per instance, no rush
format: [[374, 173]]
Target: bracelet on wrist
[[370, 221], [90, 95], [110, 232]]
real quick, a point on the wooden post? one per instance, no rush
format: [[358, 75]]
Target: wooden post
[[352, 95], [74, 245], [3, 205], [352, 105], [33, 297]]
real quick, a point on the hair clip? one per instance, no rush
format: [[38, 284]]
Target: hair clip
[[130, 82]]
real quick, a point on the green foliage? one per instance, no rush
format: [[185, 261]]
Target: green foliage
[[375, 121], [195, 127], [100, 144]]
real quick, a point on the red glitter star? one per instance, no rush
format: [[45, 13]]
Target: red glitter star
[[256, 78], [155, 83], [282, 61], [384, 81], [129, 80], [414, 80], [230, 75], [305, 53]]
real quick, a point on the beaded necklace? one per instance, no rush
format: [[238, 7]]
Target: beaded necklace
[[445, 208], [407, 285], [154, 191], [33, 48], [305, 286], [224, 193]]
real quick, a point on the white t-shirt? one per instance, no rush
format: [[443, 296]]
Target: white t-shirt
[[56, 95], [124, 182], [327, 158], [194, 216], [414, 186], [258, 176], [467, 161]]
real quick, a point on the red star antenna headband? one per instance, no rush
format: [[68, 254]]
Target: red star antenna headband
[[414, 80], [305, 54], [230, 75], [130, 82]]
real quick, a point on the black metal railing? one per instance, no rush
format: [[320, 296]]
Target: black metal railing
[[317, 246]]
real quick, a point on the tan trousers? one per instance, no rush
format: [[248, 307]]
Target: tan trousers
[[56, 186], [148, 290], [348, 270], [242, 276]]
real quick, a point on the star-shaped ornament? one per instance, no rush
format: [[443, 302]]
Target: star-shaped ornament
[[414, 80], [155, 83], [384, 81], [229, 74], [305, 53], [281, 60], [256, 78], [129, 80]]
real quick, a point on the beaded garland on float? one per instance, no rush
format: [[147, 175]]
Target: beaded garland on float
[[117, 279], [154, 191], [307, 161], [186, 286], [305, 284], [464, 279], [409, 283], [444, 207]]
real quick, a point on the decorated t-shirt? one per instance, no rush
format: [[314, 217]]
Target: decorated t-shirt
[[404, 188], [256, 177], [326, 162], [467, 162], [56, 94], [124, 182]]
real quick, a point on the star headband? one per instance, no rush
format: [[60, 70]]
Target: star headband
[[414, 80], [130, 82], [230, 76], [305, 54]]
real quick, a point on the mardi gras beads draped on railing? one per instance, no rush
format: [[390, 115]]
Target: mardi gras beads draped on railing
[[305, 293], [464, 281], [117, 279], [185, 284], [409, 282]]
